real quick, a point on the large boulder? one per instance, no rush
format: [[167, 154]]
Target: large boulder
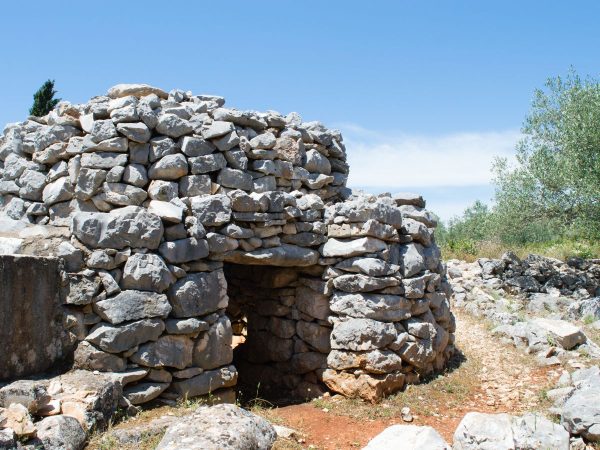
[[503, 431], [220, 427], [408, 437]]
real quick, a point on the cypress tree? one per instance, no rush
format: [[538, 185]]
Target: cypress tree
[[43, 99]]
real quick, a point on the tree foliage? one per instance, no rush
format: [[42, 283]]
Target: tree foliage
[[552, 190], [43, 99]]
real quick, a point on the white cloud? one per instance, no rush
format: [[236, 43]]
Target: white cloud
[[414, 161]]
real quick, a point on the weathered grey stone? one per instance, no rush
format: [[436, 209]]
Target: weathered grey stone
[[193, 185], [89, 357], [213, 349], [32, 185], [362, 334], [89, 182], [217, 129], [408, 437], [580, 414], [167, 211], [168, 350], [565, 334], [207, 163], [411, 259], [371, 306], [285, 255], [317, 162], [117, 339], [136, 175], [104, 160], [336, 248], [235, 179], [195, 146], [162, 190], [58, 191], [173, 126], [217, 243], [374, 361], [227, 142], [133, 305], [170, 167], [82, 289], [126, 227], [369, 266], [206, 382], [161, 146], [130, 375], [137, 132], [500, 431], [198, 294], [225, 426], [186, 326], [60, 433], [144, 392], [212, 210], [263, 141], [123, 194], [184, 250], [137, 90], [363, 283], [146, 272]]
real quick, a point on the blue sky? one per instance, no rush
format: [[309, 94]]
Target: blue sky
[[426, 93]]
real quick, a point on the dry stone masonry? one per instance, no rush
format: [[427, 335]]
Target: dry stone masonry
[[185, 222]]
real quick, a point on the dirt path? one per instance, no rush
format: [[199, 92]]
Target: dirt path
[[492, 377]]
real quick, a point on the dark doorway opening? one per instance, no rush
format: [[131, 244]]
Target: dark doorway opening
[[280, 351]]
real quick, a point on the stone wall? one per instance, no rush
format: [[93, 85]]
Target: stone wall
[[32, 318], [167, 195]]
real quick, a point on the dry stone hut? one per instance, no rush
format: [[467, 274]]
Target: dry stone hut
[[182, 223]]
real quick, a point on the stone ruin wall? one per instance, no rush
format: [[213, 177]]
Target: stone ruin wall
[[183, 216]]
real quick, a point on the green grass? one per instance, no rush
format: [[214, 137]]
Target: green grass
[[489, 249]]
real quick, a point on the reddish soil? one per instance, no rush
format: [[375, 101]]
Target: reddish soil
[[503, 379]]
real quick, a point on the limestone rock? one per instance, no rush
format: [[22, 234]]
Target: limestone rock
[[184, 250], [144, 392], [17, 418], [362, 334], [213, 349], [285, 255], [198, 294], [408, 437], [118, 338], [478, 430], [133, 305], [336, 248], [213, 210], [129, 226], [222, 427], [138, 90], [206, 382], [565, 334], [89, 357], [146, 272], [369, 387], [61, 433], [170, 351], [371, 306]]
